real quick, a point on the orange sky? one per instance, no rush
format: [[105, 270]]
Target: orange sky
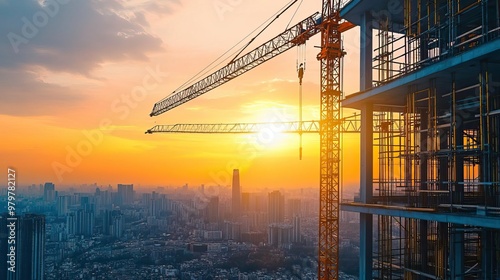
[[76, 97]]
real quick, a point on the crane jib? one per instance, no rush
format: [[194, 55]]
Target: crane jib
[[272, 48]]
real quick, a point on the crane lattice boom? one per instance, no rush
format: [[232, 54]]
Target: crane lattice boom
[[291, 37]]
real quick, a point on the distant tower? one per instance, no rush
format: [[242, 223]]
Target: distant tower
[[112, 223], [125, 194], [63, 204], [236, 198], [30, 247], [296, 235], [276, 207], [293, 208], [212, 210], [49, 192]]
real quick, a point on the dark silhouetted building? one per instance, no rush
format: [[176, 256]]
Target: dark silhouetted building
[[49, 192], [293, 208], [63, 204], [212, 210], [276, 207], [125, 194], [279, 235], [112, 223], [80, 222], [236, 196], [232, 231], [296, 233], [30, 247]]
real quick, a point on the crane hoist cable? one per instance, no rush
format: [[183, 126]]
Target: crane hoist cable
[[296, 10], [301, 58], [341, 165], [271, 22], [211, 66]]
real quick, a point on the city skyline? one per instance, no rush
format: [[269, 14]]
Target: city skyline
[[196, 216], [163, 232]]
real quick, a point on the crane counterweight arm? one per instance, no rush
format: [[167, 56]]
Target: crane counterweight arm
[[238, 128], [278, 45]]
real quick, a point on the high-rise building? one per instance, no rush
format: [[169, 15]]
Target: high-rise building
[[155, 203], [212, 210], [106, 222], [276, 207], [125, 194], [63, 204], [253, 202], [245, 202], [117, 226], [29, 244], [296, 233], [102, 201], [279, 235], [112, 223], [232, 231], [80, 222], [293, 208], [236, 196], [49, 194]]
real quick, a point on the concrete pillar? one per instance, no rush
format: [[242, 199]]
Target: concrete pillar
[[366, 193], [457, 235], [366, 52], [423, 201], [487, 254], [424, 121], [457, 253], [366, 170], [366, 180]]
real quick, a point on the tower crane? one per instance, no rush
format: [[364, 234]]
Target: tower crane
[[330, 25]]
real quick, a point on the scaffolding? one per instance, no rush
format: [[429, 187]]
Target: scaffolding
[[433, 30], [438, 151], [442, 154]]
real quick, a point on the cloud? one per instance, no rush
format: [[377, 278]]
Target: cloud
[[76, 37], [23, 93], [65, 36], [160, 7]]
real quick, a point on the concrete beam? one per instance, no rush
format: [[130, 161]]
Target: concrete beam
[[398, 87], [492, 222]]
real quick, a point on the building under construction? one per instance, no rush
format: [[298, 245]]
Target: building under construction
[[429, 98]]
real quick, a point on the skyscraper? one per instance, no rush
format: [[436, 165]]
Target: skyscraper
[[279, 235], [49, 192], [125, 194], [212, 210], [236, 196], [63, 204], [293, 207], [80, 222], [30, 247], [112, 223], [296, 235], [117, 225], [276, 207]]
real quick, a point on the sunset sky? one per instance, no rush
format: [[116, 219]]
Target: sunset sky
[[78, 80]]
